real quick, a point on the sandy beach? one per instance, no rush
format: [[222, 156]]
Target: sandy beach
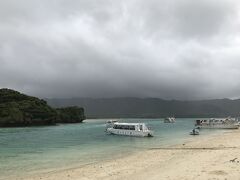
[[213, 157]]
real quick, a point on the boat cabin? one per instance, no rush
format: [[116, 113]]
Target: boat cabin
[[130, 129], [214, 121], [130, 126]]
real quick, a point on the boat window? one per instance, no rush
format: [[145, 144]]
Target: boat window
[[132, 127], [125, 127], [198, 122], [140, 127]]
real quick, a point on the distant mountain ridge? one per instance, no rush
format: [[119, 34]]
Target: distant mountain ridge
[[150, 107]]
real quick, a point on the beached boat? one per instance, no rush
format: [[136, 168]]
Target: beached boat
[[194, 132], [170, 120], [227, 123], [130, 129]]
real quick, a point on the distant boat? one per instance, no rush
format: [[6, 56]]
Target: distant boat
[[170, 120], [194, 132], [110, 123], [227, 123], [130, 129]]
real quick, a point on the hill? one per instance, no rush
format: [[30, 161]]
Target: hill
[[151, 107], [18, 109]]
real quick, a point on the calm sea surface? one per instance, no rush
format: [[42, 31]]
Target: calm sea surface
[[38, 149]]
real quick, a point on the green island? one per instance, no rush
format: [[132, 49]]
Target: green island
[[17, 109]]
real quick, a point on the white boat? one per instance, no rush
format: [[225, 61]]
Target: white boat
[[194, 132], [227, 123], [170, 120], [130, 129], [110, 123]]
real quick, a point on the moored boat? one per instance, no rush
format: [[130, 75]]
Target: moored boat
[[213, 123], [194, 132], [110, 123], [130, 129], [170, 120]]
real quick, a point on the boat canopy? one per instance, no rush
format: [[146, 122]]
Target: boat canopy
[[129, 124]]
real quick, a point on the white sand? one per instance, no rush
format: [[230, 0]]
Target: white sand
[[203, 158]]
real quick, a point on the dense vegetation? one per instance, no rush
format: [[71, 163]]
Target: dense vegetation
[[17, 109], [151, 107], [72, 114]]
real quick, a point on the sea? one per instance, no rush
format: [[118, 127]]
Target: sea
[[31, 150]]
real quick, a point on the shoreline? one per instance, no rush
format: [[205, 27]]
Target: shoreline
[[204, 157]]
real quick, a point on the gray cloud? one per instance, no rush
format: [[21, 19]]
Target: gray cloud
[[178, 49]]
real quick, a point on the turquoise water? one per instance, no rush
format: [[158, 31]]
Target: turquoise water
[[36, 149]]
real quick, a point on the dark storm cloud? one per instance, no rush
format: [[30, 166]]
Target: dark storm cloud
[[180, 49]]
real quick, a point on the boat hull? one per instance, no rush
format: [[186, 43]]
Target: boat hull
[[129, 132]]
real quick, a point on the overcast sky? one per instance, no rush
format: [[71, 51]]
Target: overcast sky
[[171, 49]]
